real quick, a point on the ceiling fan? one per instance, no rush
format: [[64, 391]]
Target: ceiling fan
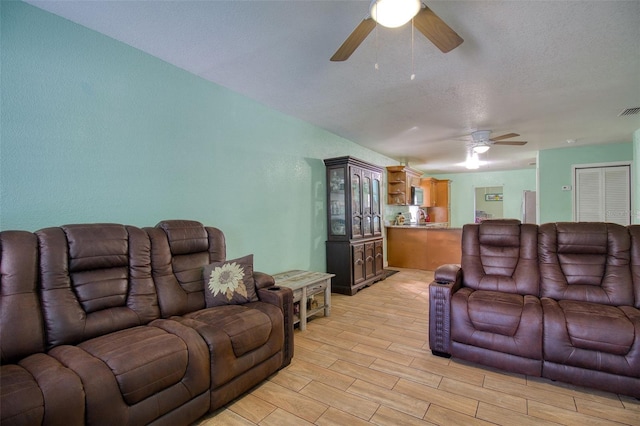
[[481, 140], [424, 20]]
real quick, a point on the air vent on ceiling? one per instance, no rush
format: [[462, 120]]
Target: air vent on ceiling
[[630, 111]]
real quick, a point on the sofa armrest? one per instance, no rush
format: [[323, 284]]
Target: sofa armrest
[[282, 297], [448, 280], [263, 280], [448, 273]]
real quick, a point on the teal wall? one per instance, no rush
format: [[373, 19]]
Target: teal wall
[[555, 168], [93, 130], [463, 185]]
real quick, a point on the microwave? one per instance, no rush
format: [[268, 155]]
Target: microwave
[[417, 196]]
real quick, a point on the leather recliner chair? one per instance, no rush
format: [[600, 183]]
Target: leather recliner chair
[[248, 342], [591, 326], [102, 320], [35, 387], [497, 315]]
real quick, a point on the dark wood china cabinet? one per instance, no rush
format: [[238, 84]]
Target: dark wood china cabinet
[[354, 220]]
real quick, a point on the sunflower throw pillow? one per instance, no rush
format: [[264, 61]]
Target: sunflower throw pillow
[[230, 282]]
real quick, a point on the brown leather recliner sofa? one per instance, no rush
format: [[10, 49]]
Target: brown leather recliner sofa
[[107, 324], [558, 300]]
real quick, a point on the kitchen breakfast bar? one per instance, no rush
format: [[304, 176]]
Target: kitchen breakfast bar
[[424, 246]]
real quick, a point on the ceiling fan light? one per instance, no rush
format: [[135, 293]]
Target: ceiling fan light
[[394, 13], [473, 162], [481, 149]]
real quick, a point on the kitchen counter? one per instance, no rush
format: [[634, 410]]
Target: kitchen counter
[[423, 246], [427, 225]]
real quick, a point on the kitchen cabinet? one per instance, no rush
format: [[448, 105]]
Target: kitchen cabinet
[[354, 221], [436, 192], [436, 198], [400, 179]]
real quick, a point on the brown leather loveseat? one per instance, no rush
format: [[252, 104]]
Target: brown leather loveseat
[[558, 300], [107, 324]]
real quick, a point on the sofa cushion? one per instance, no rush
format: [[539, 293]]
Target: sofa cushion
[[185, 236], [40, 390], [142, 375], [586, 261], [598, 327], [96, 279], [230, 282], [592, 336], [144, 360], [246, 329], [502, 322], [178, 277], [20, 335], [495, 312], [22, 401], [501, 255]]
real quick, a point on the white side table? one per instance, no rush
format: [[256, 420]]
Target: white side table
[[304, 285]]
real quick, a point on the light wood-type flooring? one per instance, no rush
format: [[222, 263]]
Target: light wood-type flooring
[[369, 363]]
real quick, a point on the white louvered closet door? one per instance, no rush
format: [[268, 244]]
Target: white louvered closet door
[[603, 194]]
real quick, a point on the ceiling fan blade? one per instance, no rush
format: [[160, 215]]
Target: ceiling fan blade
[[434, 28], [510, 143], [507, 136], [353, 41]]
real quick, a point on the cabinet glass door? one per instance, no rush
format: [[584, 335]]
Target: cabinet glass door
[[337, 202], [366, 204], [375, 205], [356, 205]]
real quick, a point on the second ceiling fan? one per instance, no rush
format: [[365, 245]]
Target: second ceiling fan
[[423, 18]]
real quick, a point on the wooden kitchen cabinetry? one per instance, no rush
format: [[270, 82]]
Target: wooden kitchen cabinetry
[[436, 198], [354, 221], [400, 179], [436, 192]]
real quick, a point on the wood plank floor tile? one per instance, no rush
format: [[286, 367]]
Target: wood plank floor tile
[[367, 340], [367, 374], [546, 396], [416, 353], [326, 335], [565, 417], [294, 402], [284, 418], [316, 357], [347, 326], [383, 354], [323, 375], [403, 371], [503, 416], [459, 403], [443, 416], [500, 399], [344, 401], [225, 418], [289, 380], [386, 416], [433, 365], [333, 417], [252, 408], [576, 391], [407, 404], [347, 355], [607, 412], [370, 363]]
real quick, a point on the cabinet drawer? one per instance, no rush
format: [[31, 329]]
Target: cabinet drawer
[[316, 288], [311, 290]]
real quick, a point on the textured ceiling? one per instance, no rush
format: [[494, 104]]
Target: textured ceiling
[[548, 70]]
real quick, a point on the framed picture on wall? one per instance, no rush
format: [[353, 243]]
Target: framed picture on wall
[[493, 197]]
